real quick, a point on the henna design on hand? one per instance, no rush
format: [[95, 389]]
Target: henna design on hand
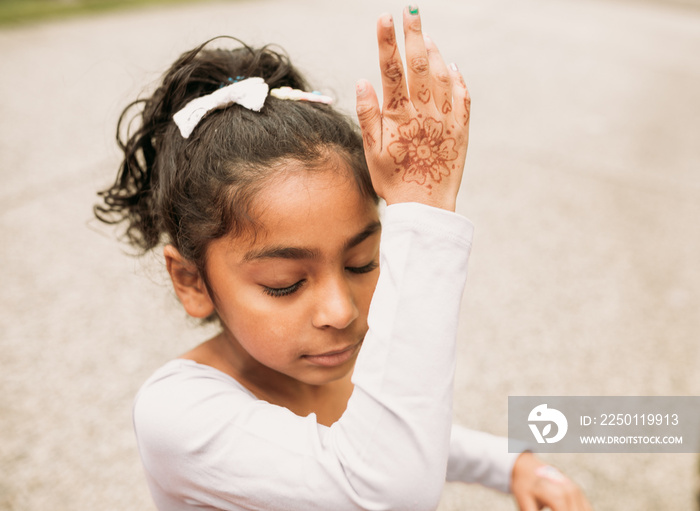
[[446, 107], [424, 96], [397, 101], [467, 101], [393, 71], [423, 151], [368, 141]]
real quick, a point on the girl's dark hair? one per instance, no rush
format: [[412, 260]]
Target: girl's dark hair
[[191, 191]]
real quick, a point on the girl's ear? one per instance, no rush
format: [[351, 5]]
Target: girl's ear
[[188, 283]]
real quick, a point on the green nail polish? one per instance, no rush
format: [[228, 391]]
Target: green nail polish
[[413, 9]]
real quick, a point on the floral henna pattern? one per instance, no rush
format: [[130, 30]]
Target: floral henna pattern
[[423, 151]]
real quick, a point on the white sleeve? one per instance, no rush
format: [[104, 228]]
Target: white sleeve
[[207, 444], [478, 457]]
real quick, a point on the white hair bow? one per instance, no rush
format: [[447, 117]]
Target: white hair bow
[[249, 93]]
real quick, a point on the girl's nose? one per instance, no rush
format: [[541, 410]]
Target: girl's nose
[[336, 305]]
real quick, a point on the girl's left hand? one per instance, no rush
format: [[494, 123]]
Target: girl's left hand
[[416, 142], [536, 485]]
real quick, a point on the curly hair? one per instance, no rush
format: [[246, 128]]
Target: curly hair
[[188, 192]]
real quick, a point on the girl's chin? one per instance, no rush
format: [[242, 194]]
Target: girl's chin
[[318, 375]]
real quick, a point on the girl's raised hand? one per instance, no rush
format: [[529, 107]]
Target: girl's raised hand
[[416, 143]]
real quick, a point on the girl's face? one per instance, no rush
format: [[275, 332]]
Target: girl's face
[[294, 298]]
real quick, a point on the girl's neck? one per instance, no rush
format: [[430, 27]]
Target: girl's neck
[[327, 401]]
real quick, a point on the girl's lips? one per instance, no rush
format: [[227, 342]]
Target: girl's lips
[[333, 358]]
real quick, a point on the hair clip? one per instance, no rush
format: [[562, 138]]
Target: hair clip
[[249, 93], [231, 81], [300, 95]]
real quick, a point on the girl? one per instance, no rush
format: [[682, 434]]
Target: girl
[[329, 386]]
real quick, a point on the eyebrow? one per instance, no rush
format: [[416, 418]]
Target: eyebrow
[[307, 253]]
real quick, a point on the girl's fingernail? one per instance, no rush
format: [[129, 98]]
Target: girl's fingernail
[[413, 9], [551, 473], [453, 67], [360, 87], [388, 21]]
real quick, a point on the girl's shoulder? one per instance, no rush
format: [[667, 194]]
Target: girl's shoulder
[[190, 378], [184, 392]]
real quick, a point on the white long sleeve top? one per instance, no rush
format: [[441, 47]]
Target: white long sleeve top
[[206, 442]]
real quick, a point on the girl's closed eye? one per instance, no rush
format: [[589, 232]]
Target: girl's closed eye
[[278, 292], [373, 265]]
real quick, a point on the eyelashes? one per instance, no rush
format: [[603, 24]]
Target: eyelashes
[[279, 292], [373, 265]]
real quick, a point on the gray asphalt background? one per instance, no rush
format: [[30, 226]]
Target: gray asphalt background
[[583, 179]]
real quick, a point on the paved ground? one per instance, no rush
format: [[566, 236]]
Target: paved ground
[[583, 181]]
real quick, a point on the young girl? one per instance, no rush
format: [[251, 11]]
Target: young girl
[[330, 384]]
